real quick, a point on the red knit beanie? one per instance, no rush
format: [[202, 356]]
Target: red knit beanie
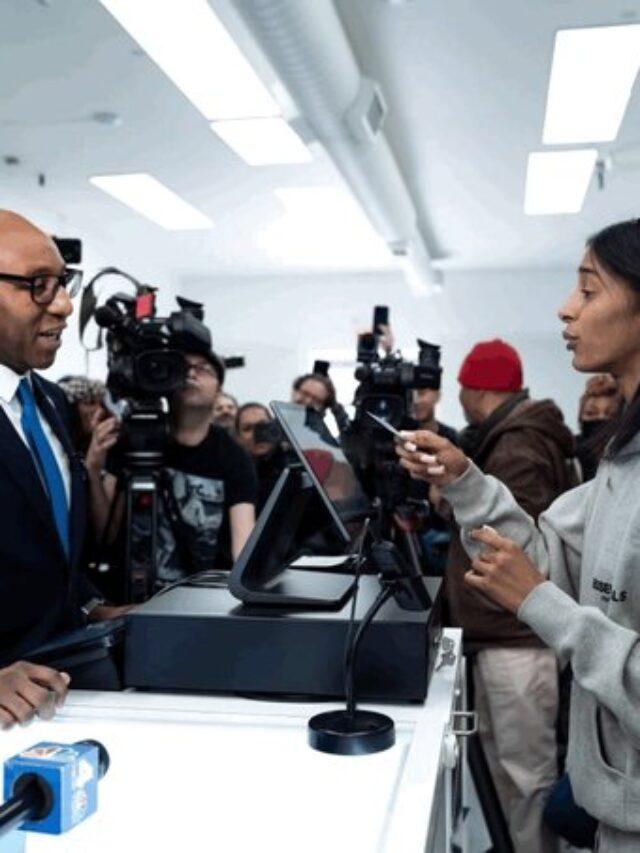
[[492, 366]]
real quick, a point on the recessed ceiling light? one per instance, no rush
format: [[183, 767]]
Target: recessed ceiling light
[[557, 181], [147, 196], [592, 76], [189, 43], [263, 141]]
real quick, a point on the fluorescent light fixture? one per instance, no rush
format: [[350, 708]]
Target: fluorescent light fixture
[[557, 181], [148, 196], [324, 227], [190, 44], [263, 141], [592, 76]]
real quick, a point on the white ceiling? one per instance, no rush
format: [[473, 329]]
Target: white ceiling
[[466, 85]]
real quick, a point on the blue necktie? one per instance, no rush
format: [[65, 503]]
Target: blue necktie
[[45, 461]]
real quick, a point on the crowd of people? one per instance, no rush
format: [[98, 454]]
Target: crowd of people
[[535, 530]]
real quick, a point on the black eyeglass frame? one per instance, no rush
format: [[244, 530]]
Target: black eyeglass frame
[[70, 279]]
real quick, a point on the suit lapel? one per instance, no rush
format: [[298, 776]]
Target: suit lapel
[[19, 464]]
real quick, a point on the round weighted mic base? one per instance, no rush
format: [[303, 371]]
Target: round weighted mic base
[[359, 733]]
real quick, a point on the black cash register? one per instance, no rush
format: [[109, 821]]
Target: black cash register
[[279, 627]]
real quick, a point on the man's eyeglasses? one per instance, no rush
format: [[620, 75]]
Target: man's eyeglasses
[[44, 287]]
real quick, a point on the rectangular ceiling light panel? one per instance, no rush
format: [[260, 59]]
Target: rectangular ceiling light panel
[[323, 226], [190, 44], [147, 196], [557, 181], [592, 76], [263, 141]]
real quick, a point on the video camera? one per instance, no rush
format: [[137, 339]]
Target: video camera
[[385, 389], [146, 361], [386, 384], [145, 352]]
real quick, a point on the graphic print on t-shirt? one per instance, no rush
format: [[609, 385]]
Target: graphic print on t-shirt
[[199, 502]]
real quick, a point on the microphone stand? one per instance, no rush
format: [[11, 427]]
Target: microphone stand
[[353, 731]]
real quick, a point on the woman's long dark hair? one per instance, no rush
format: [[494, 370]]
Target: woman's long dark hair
[[617, 249]]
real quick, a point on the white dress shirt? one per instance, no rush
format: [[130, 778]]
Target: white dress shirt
[[12, 407]]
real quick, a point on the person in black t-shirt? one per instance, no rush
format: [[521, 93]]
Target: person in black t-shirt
[[209, 481]]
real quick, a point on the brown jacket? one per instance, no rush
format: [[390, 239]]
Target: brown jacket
[[529, 448]]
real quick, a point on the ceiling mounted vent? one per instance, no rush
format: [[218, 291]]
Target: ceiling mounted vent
[[365, 117]]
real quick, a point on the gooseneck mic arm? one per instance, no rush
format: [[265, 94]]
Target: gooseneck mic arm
[[383, 596]]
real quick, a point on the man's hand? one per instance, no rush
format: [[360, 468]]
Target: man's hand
[[27, 689], [428, 456], [104, 612], [503, 572], [104, 434]]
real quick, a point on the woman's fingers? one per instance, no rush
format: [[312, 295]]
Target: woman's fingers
[[426, 440], [489, 536], [483, 564]]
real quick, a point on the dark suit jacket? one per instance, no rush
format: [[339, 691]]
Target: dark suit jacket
[[41, 591]]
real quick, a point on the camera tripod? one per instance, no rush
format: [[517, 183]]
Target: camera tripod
[[144, 483], [400, 517]]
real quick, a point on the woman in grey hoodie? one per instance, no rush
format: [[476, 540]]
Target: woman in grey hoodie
[[575, 577]]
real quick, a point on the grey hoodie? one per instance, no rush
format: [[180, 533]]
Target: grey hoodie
[[588, 544]]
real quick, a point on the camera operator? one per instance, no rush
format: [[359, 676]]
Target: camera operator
[[314, 390], [211, 482], [260, 436], [42, 495], [225, 410], [425, 401]]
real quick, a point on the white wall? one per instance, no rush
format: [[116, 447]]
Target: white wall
[[278, 323]]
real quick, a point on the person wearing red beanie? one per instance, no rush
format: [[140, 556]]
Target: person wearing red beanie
[[525, 444], [492, 366]]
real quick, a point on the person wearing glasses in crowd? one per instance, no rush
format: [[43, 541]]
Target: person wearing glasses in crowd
[[42, 489], [209, 482], [574, 577]]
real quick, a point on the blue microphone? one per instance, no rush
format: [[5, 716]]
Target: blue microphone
[[52, 787]]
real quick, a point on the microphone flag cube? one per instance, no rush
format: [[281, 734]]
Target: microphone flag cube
[[68, 773]]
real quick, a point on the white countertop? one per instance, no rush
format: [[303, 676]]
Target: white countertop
[[232, 775]]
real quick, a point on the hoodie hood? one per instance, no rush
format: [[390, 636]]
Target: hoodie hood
[[542, 416]]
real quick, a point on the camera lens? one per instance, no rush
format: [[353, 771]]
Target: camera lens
[[160, 371]]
